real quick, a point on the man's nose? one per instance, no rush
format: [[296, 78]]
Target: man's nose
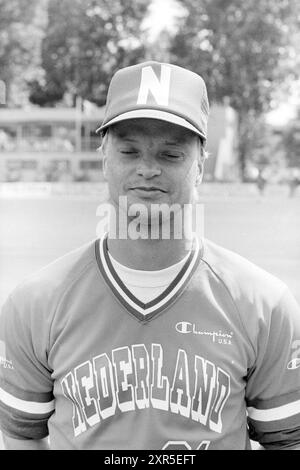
[[148, 167]]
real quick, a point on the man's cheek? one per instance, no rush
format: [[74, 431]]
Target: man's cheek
[[190, 173]]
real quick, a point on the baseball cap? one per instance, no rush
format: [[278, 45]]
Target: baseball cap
[[158, 91]]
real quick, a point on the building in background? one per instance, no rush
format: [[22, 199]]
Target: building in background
[[49, 144]]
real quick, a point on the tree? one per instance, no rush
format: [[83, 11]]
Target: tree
[[85, 42], [291, 143], [21, 32], [243, 51]]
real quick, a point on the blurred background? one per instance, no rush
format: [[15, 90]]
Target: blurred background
[[56, 60]]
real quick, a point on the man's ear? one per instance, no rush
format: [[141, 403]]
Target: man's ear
[[199, 172], [104, 161]]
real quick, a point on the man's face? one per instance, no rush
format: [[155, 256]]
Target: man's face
[[151, 162]]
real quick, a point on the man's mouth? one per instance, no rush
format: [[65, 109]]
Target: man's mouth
[[147, 188]]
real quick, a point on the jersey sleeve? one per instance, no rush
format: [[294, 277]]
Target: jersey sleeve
[[273, 385], [26, 397]]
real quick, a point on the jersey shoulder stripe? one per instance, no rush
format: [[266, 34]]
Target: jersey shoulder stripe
[[274, 414], [40, 397], [31, 407]]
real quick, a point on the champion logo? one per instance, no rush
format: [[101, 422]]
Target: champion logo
[[294, 363], [3, 361], [219, 336]]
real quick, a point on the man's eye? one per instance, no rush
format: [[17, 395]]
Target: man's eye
[[173, 156], [129, 152]]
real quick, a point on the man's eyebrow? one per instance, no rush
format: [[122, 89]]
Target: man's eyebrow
[[124, 137], [173, 142]]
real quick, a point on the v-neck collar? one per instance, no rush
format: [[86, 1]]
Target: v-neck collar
[[145, 311]]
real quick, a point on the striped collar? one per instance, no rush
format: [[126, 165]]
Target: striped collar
[[145, 311]]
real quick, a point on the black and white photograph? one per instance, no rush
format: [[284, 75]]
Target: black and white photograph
[[149, 227]]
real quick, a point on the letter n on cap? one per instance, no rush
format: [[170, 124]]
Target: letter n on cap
[[160, 89]]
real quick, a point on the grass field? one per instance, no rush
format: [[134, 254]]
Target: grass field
[[266, 230]]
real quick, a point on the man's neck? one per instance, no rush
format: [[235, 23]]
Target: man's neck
[[152, 245], [148, 255]]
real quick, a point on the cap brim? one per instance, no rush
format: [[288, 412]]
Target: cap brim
[[152, 114]]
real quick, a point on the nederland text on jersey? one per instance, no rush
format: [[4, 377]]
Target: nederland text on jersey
[[133, 379]]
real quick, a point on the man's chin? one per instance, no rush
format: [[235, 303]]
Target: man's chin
[[150, 203], [147, 197]]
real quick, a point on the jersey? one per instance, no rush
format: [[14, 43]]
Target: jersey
[[211, 363]]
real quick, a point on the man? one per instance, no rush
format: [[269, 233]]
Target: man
[[151, 338]]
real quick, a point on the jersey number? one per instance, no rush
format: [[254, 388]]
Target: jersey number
[[183, 445]]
